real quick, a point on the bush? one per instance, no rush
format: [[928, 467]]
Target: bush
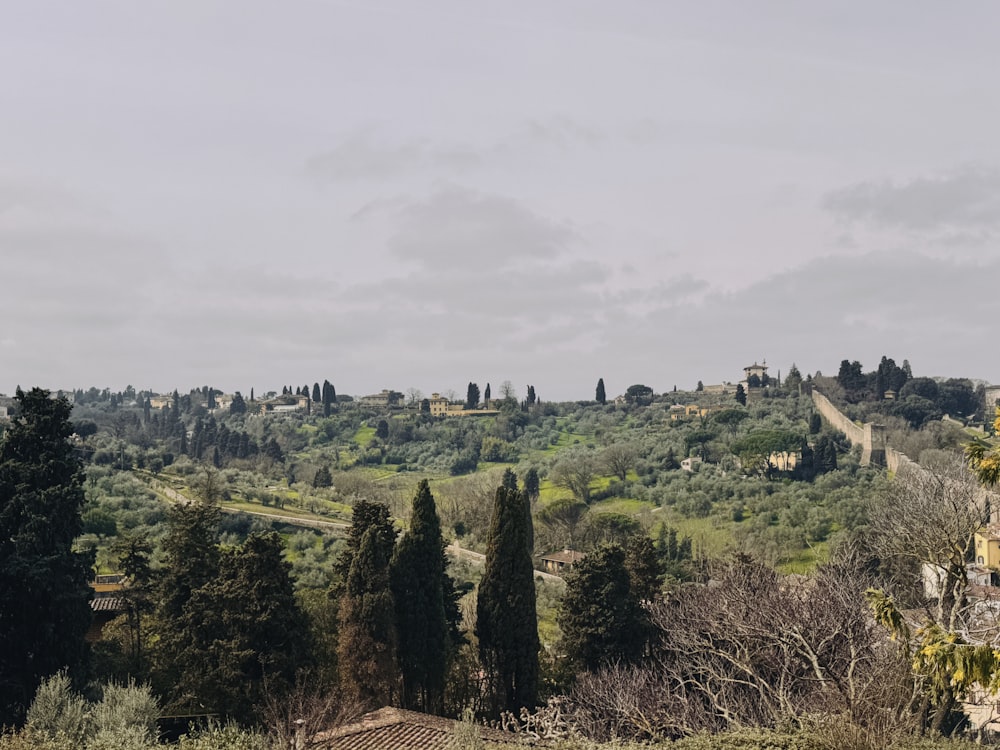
[[58, 711]]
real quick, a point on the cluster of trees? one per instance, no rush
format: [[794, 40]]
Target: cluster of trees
[[918, 400]]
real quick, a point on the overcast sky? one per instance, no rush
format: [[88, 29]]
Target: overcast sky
[[420, 194]]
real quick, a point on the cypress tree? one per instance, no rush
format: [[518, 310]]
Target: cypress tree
[[43, 582], [366, 648], [316, 395], [419, 584], [366, 645], [507, 625], [193, 560], [600, 396]]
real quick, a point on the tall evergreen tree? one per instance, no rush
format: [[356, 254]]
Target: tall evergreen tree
[[248, 635], [419, 584], [366, 646], [600, 616], [600, 396], [317, 396], [366, 649], [741, 395], [507, 624], [237, 405], [486, 395], [43, 582], [472, 397], [193, 559]]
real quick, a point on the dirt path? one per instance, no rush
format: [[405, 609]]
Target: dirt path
[[311, 523]]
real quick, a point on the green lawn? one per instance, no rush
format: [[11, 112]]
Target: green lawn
[[363, 436]]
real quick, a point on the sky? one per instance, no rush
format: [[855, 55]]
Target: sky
[[419, 195]]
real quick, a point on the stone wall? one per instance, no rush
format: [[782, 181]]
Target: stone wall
[[833, 415]]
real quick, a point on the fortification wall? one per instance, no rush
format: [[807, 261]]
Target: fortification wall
[[833, 415]]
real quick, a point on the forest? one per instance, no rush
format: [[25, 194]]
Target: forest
[[284, 564]]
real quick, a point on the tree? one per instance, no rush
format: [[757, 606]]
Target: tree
[[366, 647], [700, 387], [420, 589], [731, 419], [793, 380], [329, 398], [192, 561], [43, 582], [323, 478], [532, 484], [237, 405], [382, 430], [985, 459], [574, 471], [601, 619], [317, 395], [560, 519], [507, 625], [486, 395], [638, 394], [929, 515], [249, 635], [618, 459], [741, 395], [600, 396], [472, 397]]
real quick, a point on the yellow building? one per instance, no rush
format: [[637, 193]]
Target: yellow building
[[988, 547]]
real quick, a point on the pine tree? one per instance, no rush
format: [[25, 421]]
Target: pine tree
[[418, 576], [43, 582], [507, 625], [600, 396]]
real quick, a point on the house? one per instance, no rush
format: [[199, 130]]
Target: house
[[107, 603], [719, 389], [398, 729], [439, 405], [556, 562], [690, 462], [992, 399], [987, 547], [286, 404], [383, 398], [759, 370]]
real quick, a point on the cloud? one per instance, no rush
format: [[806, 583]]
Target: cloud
[[363, 156], [966, 198], [458, 228]]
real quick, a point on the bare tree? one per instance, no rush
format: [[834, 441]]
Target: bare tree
[[618, 459], [574, 471], [929, 515], [754, 649]]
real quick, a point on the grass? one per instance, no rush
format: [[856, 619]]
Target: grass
[[625, 506], [363, 436], [805, 561], [710, 537]]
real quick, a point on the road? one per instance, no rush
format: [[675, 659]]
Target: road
[[311, 523]]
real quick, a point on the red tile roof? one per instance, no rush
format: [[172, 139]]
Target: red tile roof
[[398, 729]]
